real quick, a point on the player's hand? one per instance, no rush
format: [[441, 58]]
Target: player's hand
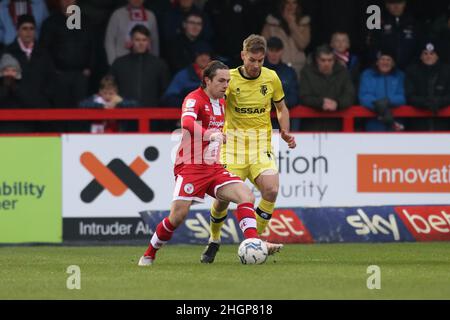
[[290, 139], [218, 137]]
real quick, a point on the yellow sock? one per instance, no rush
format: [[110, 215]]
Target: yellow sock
[[216, 221], [263, 215]]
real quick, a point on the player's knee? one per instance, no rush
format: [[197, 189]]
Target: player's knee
[[176, 220], [270, 193], [247, 197], [220, 206], [178, 215]]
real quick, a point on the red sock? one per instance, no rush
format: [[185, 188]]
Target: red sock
[[247, 221], [162, 235]]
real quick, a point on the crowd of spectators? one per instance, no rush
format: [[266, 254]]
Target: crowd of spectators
[[151, 53]]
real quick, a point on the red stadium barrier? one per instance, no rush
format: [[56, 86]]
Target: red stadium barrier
[[349, 115], [143, 116]]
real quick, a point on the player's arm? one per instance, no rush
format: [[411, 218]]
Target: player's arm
[[282, 111], [189, 122], [282, 115], [283, 120]]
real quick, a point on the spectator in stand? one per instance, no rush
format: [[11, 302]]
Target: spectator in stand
[[38, 72], [172, 22], [293, 28], [425, 12], [232, 22], [325, 86], [188, 79], [11, 10], [399, 33], [340, 42], [140, 75], [98, 12], [72, 52], [287, 76], [12, 96], [182, 51], [118, 41], [108, 98], [158, 7], [381, 90], [428, 86], [347, 16], [441, 31]]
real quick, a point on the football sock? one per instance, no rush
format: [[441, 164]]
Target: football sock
[[216, 221], [162, 235], [264, 214], [247, 222]]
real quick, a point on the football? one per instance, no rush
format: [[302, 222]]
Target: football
[[252, 251]]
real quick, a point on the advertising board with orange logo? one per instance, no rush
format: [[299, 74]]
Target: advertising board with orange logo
[[412, 173]]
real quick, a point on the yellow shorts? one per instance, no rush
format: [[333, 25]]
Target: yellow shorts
[[251, 171]]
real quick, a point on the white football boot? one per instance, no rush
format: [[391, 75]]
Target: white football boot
[[145, 261], [273, 248]]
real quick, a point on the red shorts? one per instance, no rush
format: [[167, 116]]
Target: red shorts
[[194, 182]]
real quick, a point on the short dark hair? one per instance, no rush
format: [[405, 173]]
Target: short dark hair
[[323, 49], [193, 13], [139, 28], [211, 70], [275, 43], [108, 82], [25, 18]]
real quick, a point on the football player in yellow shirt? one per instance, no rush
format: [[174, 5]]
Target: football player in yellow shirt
[[248, 128]]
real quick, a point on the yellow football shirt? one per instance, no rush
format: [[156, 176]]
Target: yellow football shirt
[[247, 116]]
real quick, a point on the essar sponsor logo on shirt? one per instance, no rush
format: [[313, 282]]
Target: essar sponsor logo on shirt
[[250, 110]]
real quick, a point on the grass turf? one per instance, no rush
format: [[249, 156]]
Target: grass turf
[[336, 271]]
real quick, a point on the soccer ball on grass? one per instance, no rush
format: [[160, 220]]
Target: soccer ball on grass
[[252, 251]]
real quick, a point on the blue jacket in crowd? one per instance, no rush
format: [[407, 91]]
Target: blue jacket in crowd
[[185, 81], [8, 30], [375, 86]]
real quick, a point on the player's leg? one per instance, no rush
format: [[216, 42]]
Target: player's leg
[[241, 194], [267, 181], [268, 184], [165, 229], [218, 214], [219, 208]]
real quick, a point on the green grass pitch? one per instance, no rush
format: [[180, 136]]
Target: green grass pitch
[[334, 271]]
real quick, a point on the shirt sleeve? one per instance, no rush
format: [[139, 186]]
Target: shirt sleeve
[[190, 107], [278, 93]]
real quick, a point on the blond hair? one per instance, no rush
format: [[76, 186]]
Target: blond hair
[[254, 44]]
